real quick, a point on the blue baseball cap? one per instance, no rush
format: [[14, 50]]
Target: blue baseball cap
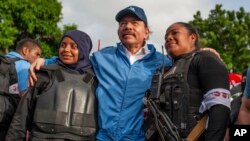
[[132, 10]]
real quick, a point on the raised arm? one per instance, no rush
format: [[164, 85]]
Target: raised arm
[[34, 67]]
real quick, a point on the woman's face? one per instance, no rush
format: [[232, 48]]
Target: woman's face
[[179, 41], [68, 51]]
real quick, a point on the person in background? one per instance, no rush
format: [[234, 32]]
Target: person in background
[[244, 114], [27, 51], [61, 105], [236, 104]]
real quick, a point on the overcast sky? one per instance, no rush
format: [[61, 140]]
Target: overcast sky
[[97, 17]]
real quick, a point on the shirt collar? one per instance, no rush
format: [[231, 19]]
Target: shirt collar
[[143, 51], [138, 55]]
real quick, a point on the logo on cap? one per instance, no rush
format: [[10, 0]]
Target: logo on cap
[[131, 8]]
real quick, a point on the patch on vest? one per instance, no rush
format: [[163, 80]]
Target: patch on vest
[[13, 89]]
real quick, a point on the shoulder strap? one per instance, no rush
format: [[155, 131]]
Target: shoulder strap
[[54, 68], [89, 76], [8, 71], [7, 59], [187, 64], [51, 67]]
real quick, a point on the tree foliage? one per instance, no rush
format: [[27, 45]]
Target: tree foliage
[[229, 33], [37, 19]]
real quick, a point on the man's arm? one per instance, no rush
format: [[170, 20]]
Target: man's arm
[[35, 66], [244, 114], [213, 51], [22, 93], [22, 69]]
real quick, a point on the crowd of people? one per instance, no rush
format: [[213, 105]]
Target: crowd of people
[[75, 96]]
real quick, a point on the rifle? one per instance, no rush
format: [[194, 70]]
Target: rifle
[[160, 122], [198, 129]]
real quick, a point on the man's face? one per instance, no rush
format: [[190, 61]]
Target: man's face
[[132, 31], [33, 54], [68, 51]]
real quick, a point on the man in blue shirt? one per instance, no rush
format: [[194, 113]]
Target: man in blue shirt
[[124, 73], [27, 50]]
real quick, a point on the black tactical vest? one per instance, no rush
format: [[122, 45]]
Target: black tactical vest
[[8, 75], [8, 99], [67, 105], [178, 99]]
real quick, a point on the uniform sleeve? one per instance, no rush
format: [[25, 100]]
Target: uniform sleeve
[[214, 81], [247, 88], [218, 123], [212, 73], [52, 60], [23, 116]]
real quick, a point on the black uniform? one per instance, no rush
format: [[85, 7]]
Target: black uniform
[[207, 72], [183, 88], [8, 99]]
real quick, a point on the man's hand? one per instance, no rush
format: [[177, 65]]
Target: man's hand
[[35, 66], [213, 51]]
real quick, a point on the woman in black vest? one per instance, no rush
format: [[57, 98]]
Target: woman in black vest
[[207, 91], [61, 105]]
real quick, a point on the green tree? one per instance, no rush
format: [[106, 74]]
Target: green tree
[[37, 19], [69, 27], [229, 33]]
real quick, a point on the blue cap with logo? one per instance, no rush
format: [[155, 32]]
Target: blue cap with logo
[[132, 10]]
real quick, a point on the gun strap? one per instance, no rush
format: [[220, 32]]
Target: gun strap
[[198, 129]]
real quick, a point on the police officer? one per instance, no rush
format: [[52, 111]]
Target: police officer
[[196, 84], [61, 105]]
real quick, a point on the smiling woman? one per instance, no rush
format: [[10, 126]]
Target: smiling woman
[[179, 40], [68, 51], [196, 85], [62, 102]]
